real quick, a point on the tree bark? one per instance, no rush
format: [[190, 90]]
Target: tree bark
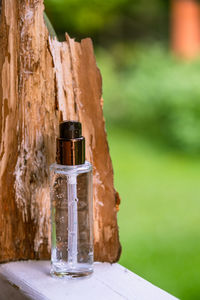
[[43, 81]]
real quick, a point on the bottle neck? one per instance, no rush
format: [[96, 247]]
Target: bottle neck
[[70, 152]]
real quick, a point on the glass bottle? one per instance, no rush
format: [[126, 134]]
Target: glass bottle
[[71, 205]]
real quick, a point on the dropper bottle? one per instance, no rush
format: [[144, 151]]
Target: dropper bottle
[[71, 205]]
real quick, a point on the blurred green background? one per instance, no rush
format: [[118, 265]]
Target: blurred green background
[[152, 111]]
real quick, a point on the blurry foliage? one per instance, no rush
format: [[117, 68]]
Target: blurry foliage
[[147, 92], [152, 93], [145, 88], [106, 21]]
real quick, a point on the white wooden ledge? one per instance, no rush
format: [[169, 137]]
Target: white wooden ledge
[[31, 280]]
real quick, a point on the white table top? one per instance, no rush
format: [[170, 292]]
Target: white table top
[[109, 282]]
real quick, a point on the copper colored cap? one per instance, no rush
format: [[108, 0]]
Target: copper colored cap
[[70, 144]]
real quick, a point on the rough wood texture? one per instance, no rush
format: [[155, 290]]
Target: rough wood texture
[[43, 81]]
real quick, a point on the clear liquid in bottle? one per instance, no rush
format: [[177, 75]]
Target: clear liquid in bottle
[[71, 219]]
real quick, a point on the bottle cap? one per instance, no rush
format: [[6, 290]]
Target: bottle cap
[[70, 130], [70, 144]]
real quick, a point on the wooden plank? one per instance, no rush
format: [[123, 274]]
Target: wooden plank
[[110, 282], [10, 291]]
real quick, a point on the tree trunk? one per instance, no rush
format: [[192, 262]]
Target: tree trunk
[[43, 81], [185, 28]]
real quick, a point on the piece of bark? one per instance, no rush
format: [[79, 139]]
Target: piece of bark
[[43, 81]]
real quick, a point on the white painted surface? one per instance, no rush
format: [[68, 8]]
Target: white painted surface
[[109, 282]]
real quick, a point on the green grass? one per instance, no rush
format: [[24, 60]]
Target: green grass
[[159, 213]]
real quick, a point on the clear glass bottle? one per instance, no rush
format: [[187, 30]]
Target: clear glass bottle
[[71, 205]]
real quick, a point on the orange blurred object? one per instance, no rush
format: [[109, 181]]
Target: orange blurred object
[[185, 28]]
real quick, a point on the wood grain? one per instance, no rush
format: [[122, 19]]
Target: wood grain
[[43, 81]]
